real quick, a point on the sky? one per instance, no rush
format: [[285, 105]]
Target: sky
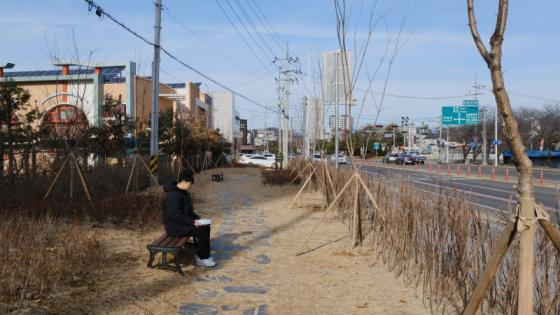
[[436, 63]]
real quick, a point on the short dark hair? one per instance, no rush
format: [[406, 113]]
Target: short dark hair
[[186, 175]]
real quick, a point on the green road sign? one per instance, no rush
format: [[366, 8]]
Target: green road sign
[[459, 115], [470, 102]]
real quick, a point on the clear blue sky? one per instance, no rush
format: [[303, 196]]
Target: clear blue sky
[[437, 58]]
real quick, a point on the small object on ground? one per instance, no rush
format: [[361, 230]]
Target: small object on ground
[[205, 262], [218, 177], [165, 244], [204, 221]]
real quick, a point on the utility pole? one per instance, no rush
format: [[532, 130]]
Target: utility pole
[[304, 129], [284, 101], [484, 144], [478, 87], [154, 141], [336, 131], [286, 111], [496, 136]]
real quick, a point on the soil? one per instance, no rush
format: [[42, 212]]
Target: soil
[[254, 239]]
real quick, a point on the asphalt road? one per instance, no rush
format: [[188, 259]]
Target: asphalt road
[[548, 175], [489, 194]]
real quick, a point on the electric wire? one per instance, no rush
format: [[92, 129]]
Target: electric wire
[[101, 12], [252, 24], [273, 32], [242, 37]]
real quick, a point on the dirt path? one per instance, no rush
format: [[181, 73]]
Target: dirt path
[[254, 240]]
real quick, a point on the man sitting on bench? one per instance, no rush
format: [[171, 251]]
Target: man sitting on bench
[[181, 220]]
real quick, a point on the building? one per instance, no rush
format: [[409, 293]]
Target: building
[[243, 131], [265, 135], [315, 120], [191, 102], [75, 94], [345, 123], [225, 118]]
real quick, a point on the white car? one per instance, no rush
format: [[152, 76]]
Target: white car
[[317, 158], [269, 156], [341, 158], [258, 160]]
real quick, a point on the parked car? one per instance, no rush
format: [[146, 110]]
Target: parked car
[[258, 160], [341, 158], [269, 156], [390, 158], [317, 158]]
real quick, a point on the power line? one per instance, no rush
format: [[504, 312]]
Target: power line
[[259, 35], [242, 37], [102, 13], [273, 33]]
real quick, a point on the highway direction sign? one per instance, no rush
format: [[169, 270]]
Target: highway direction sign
[[470, 102], [459, 115]]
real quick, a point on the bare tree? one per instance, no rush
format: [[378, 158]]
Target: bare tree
[[525, 215]]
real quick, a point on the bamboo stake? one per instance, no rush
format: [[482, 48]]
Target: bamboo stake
[[149, 171], [82, 178], [356, 216], [552, 232], [370, 196], [492, 266], [131, 174], [324, 214], [299, 174], [301, 190], [57, 176]]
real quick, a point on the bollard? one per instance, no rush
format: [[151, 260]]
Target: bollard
[[416, 166], [469, 170], [430, 167], [479, 171], [493, 172], [542, 178], [448, 170], [458, 169], [506, 175]]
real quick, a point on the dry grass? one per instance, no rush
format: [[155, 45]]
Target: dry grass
[[277, 177], [39, 257], [439, 241]]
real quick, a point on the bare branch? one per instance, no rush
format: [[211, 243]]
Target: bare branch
[[476, 36]]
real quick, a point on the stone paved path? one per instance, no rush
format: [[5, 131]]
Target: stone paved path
[[239, 246]]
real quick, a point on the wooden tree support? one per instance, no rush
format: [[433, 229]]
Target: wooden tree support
[[74, 163], [356, 230], [508, 234], [301, 189], [137, 158]]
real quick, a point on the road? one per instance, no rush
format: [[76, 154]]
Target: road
[[491, 194], [500, 172]]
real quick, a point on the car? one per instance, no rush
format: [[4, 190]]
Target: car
[[269, 156], [258, 160], [418, 159], [317, 158], [341, 158], [390, 158], [404, 159]]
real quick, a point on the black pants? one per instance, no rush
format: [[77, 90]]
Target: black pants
[[202, 235]]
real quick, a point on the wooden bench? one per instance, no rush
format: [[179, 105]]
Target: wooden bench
[[218, 177], [165, 244]]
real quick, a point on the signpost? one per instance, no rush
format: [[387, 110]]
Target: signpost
[[459, 115]]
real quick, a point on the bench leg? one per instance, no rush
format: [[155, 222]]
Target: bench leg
[[177, 264], [151, 260], [164, 259]]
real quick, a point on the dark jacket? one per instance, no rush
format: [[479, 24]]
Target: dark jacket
[[178, 213]]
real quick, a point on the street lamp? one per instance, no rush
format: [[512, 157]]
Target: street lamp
[[8, 65]]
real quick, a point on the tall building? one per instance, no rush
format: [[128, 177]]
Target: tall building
[[345, 123], [316, 120], [225, 118]]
